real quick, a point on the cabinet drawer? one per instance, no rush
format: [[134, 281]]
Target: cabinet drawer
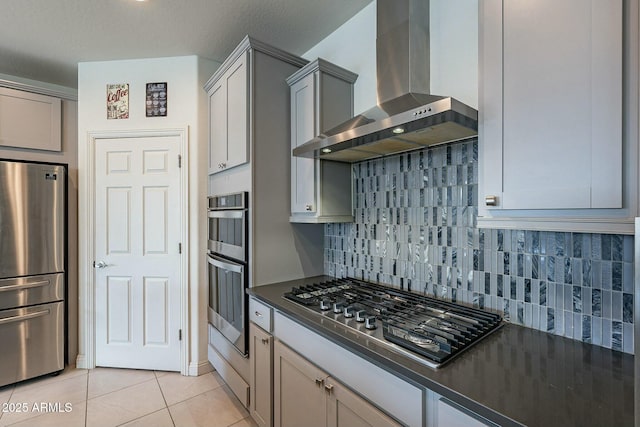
[[260, 314]]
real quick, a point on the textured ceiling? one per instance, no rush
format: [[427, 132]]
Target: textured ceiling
[[45, 39]]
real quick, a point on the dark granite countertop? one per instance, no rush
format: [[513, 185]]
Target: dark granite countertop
[[515, 376]]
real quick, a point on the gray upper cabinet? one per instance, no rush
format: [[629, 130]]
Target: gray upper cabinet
[[551, 137], [321, 98], [30, 120], [228, 112]]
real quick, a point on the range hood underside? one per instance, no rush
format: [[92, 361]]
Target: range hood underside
[[443, 121]]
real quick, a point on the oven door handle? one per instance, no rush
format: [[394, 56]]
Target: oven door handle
[[225, 265], [227, 214]]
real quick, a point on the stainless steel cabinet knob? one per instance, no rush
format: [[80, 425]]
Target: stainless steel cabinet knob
[[491, 200], [308, 208]]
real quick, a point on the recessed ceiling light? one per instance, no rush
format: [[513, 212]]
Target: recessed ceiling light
[[398, 130]]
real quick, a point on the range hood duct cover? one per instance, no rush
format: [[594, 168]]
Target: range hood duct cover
[[407, 116]]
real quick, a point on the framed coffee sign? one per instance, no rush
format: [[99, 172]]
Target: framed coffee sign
[[118, 101]]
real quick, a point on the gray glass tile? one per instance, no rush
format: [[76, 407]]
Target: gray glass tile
[[596, 302], [616, 247], [586, 329], [616, 276], [577, 245], [616, 335], [577, 299], [627, 277], [543, 293], [627, 249], [627, 308], [586, 272], [551, 320], [606, 247], [568, 324], [606, 274], [627, 338], [616, 306], [606, 333], [596, 331], [568, 271]]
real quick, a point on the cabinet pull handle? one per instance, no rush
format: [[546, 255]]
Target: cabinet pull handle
[[258, 314], [265, 341], [491, 200], [328, 388], [319, 382]]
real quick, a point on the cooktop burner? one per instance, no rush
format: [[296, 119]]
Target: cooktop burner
[[429, 330]]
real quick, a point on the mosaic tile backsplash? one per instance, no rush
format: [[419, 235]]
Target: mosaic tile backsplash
[[415, 228]]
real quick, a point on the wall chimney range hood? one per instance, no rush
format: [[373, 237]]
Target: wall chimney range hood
[[407, 116]]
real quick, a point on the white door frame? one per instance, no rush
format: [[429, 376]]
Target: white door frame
[[86, 231]]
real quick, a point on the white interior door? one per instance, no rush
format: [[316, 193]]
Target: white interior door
[[137, 232]]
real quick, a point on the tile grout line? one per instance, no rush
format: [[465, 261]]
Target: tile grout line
[[155, 374], [86, 400]]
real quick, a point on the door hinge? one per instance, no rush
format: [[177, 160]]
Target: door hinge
[[179, 160], [179, 334], [179, 248]]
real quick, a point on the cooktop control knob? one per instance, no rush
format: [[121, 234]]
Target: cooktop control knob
[[348, 311], [370, 322], [360, 316], [325, 304], [337, 307]]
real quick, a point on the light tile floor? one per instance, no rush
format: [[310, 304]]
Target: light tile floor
[[105, 397]]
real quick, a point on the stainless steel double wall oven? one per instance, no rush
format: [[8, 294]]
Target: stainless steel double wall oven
[[228, 253]]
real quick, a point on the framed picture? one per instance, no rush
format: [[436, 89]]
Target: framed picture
[[156, 99], [118, 101]]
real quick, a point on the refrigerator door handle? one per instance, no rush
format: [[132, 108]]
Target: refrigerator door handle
[[25, 285], [24, 317]]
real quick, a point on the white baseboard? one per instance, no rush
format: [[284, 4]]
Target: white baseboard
[[81, 362], [199, 368]]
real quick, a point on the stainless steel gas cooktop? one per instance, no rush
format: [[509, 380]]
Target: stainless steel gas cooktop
[[425, 329]]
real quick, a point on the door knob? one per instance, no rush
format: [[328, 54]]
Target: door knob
[[100, 264]]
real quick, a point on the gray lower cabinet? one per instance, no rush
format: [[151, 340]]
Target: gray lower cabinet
[[299, 395], [306, 395], [261, 351]]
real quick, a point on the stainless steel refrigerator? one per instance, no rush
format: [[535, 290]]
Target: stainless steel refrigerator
[[32, 269]]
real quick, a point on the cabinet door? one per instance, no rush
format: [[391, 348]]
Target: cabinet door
[[299, 395], [29, 120], [552, 104], [303, 129], [228, 118], [217, 127], [261, 350], [237, 118], [347, 409]]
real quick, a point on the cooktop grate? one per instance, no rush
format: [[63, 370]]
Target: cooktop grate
[[432, 328]]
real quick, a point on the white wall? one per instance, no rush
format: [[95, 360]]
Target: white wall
[[353, 46], [186, 109], [454, 51]]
